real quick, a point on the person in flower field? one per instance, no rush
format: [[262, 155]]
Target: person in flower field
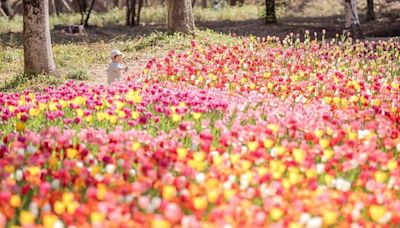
[[116, 68]]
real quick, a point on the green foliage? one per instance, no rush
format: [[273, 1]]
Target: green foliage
[[78, 74]]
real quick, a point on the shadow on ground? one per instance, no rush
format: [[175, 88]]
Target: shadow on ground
[[333, 25]]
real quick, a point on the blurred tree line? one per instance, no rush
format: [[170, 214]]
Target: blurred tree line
[[134, 7]]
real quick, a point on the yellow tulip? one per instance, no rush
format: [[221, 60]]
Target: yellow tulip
[[234, 158], [196, 115], [59, 207], [49, 220], [79, 112], [381, 176], [318, 133], [330, 217], [377, 212], [26, 218], [392, 164], [97, 217], [101, 191], [72, 153], [298, 155], [160, 223], [20, 126], [71, 207], [67, 197], [136, 146], [229, 193], [168, 192], [176, 117], [15, 201], [182, 153], [328, 153], [276, 213], [212, 196], [324, 143], [217, 160], [200, 203], [268, 143], [252, 146], [34, 112], [376, 102], [273, 127]]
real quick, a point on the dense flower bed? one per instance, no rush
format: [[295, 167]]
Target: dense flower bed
[[262, 132]]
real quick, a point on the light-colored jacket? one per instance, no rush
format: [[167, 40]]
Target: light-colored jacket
[[114, 72]]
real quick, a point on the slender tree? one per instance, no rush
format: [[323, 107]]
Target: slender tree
[[370, 10], [85, 11], [270, 15], [86, 24], [133, 10], [180, 16], [53, 7], [6, 9], [38, 55], [352, 23], [204, 3]]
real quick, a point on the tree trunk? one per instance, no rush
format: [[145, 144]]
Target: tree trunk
[[6, 8], [370, 10], [88, 14], [270, 16], [38, 55], [60, 7], [128, 12], [133, 13], [53, 7], [139, 11], [180, 16], [352, 24], [204, 3], [133, 16], [3, 13], [66, 5], [82, 10]]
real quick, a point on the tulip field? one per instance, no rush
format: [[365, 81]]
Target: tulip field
[[259, 132]]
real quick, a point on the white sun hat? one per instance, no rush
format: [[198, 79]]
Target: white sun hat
[[115, 53]]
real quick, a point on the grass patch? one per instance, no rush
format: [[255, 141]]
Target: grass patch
[[23, 82], [78, 74]]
